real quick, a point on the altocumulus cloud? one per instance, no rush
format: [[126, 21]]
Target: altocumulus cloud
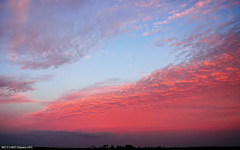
[[207, 89]]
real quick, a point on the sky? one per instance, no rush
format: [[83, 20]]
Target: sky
[[79, 73]]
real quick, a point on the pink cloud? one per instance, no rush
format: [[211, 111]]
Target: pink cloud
[[201, 93], [88, 92], [12, 88], [147, 19], [210, 40], [17, 98], [42, 36], [173, 11], [160, 96], [207, 89], [150, 32], [171, 39], [20, 10], [148, 3], [52, 61], [195, 8], [200, 8], [220, 5], [171, 97], [177, 43], [183, 5]]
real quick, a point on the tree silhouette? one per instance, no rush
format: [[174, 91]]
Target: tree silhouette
[[129, 147], [112, 147], [93, 147]]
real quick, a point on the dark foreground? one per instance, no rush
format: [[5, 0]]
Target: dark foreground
[[128, 148]]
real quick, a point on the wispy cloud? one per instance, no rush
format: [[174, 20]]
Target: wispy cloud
[[193, 9], [12, 88], [197, 11], [209, 42], [18, 98], [40, 35]]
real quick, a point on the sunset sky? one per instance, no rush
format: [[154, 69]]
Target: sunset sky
[[77, 73]]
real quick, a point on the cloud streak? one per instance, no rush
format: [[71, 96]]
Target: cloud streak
[[196, 12], [18, 98], [210, 42], [13, 88]]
